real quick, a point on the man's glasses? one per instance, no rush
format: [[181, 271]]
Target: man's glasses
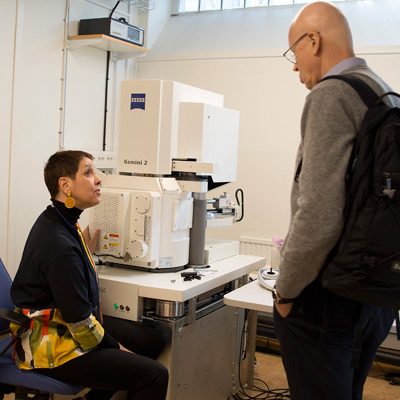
[[289, 54]]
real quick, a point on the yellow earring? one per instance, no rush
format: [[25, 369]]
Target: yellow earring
[[69, 201]]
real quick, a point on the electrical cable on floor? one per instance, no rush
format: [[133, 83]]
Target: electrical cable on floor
[[267, 393], [381, 369], [392, 377]]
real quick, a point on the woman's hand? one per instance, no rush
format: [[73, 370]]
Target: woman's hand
[[124, 348], [91, 241]]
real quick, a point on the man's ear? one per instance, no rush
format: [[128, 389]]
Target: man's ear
[[315, 41]]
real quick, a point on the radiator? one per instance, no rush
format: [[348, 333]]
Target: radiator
[[260, 247]]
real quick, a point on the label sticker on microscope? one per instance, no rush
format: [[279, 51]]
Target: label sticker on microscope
[[138, 100]]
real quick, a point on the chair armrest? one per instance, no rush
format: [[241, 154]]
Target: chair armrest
[[17, 318], [22, 320], [3, 332]]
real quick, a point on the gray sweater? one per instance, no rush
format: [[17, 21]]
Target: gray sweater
[[332, 114]]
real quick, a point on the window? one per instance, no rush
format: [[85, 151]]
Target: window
[[216, 5]]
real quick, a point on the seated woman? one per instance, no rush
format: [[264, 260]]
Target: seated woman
[[56, 286]]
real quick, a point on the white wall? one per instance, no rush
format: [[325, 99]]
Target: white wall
[[7, 29], [264, 30], [32, 56], [239, 54], [33, 35], [155, 21]]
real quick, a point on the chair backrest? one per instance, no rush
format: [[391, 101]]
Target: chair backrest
[[5, 298], [10, 374]]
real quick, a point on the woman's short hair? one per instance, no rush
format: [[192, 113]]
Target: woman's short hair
[[62, 163]]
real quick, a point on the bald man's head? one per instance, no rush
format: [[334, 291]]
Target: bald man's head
[[328, 42], [327, 19]]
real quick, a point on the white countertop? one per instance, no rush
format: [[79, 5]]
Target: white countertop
[[252, 296], [171, 286]]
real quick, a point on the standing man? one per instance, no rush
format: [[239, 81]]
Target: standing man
[[318, 366]]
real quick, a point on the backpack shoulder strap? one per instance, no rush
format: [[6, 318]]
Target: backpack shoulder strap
[[368, 96]]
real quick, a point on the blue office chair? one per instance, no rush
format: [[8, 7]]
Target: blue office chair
[[12, 379]]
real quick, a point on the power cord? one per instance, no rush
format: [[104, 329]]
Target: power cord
[[264, 393], [392, 377]]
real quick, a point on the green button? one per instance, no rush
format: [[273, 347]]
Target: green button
[[116, 306]]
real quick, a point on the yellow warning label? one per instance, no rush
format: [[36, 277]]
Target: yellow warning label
[[114, 244], [105, 247], [105, 237]]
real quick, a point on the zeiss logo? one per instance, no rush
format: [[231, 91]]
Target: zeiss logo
[[138, 100]]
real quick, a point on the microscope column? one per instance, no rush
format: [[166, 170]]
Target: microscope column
[[198, 230]]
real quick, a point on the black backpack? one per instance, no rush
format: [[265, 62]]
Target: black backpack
[[365, 264]]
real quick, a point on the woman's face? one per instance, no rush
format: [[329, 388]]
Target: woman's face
[[85, 188]]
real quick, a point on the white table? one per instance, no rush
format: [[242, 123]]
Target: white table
[[197, 329], [171, 286], [253, 297]]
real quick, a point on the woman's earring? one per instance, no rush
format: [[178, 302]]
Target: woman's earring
[[69, 201]]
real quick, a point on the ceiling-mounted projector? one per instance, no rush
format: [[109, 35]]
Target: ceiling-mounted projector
[[117, 28]]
